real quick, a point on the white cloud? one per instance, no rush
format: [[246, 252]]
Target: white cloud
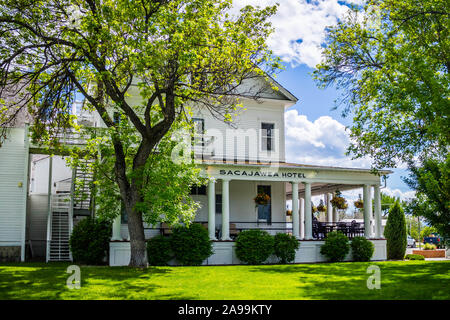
[[397, 193], [322, 142], [300, 26]]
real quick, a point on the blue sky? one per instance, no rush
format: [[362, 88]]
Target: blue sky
[[315, 134], [315, 103]]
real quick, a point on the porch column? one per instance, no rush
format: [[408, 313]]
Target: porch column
[[212, 209], [116, 228], [367, 210], [295, 218], [225, 209], [302, 218], [308, 215], [377, 204], [329, 208]]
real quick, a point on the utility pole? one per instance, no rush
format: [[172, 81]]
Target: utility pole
[[420, 240]]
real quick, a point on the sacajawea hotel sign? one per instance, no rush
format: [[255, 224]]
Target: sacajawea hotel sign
[[257, 173]]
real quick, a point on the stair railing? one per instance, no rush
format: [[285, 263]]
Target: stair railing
[[49, 233]]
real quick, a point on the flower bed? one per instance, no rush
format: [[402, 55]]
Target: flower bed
[[439, 253]]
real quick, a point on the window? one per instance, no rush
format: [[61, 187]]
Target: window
[[199, 130], [124, 214], [267, 136], [198, 190], [218, 203]]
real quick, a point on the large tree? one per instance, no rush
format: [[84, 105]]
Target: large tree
[[432, 183], [177, 53], [391, 59]]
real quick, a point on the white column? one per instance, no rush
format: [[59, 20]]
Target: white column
[[367, 210], [377, 204], [295, 218], [335, 215], [308, 215], [329, 208], [116, 228], [225, 209], [302, 218], [212, 209]]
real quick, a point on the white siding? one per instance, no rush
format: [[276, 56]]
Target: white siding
[[13, 161], [242, 205], [230, 139], [40, 174]]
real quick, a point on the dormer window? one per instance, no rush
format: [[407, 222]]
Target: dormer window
[[267, 136]]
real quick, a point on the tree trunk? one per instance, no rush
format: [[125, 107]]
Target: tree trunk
[[138, 257]]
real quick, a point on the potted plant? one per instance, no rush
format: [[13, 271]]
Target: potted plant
[[359, 203], [262, 198], [288, 215], [338, 201], [321, 207]]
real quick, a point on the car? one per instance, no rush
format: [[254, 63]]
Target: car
[[410, 241], [435, 239]]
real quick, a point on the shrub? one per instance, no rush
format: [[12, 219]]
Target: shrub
[[285, 246], [159, 251], [414, 257], [254, 246], [362, 249], [395, 233], [191, 244], [429, 246], [336, 246], [89, 242]]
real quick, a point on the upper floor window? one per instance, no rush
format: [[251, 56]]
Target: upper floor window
[[267, 136], [199, 130]]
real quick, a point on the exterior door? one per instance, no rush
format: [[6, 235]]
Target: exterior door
[[265, 211]]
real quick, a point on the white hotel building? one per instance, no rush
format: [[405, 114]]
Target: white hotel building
[[242, 160]]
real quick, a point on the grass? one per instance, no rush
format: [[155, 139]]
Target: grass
[[399, 280]]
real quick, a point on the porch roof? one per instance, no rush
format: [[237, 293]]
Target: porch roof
[[290, 165]]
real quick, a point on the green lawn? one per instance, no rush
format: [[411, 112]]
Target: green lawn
[[399, 280]]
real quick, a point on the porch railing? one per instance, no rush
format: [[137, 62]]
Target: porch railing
[[320, 229]]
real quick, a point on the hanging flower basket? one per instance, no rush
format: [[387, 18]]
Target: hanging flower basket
[[359, 203], [262, 198], [338, 201], [289, 212], [321, 207], [314, 209]]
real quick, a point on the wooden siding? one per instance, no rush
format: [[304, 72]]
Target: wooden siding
[[13, 166]]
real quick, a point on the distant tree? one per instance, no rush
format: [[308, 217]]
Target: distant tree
[[395, 233], [391, 59], [412, 226], [427, 231], [386, 203], [432, 182]]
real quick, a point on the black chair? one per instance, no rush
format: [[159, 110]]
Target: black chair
[[342, 227]]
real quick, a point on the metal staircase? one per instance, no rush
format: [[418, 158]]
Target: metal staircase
[[59, 227], [82, 202], [63, 207]]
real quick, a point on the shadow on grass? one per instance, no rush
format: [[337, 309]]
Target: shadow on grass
[[48, 282], [399, 280]]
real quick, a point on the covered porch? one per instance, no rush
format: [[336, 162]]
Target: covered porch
[[228, 208], [298, 184]]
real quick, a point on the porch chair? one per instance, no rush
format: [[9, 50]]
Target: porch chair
[[234, 232]]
